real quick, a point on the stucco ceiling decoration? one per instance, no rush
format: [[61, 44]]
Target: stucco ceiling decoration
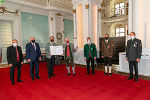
[[41, 2], [61, 3], [54, 3], [105, 3]]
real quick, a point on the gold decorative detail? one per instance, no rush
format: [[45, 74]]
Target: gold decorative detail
[[59, 14], [74, 10], [100, 10], [51, 19], [87, 6]]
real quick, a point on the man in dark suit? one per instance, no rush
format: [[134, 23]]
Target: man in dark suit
[[90, 54], [15, 59], [33, 53], [133, 54]]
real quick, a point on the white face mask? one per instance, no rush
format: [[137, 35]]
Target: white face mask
[[89, 41], [15, 44], [132, 37]]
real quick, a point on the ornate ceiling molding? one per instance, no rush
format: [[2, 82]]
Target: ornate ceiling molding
[[66, 4], [58, 5]]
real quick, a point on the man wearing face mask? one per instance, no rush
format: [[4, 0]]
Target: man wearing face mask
[[133, 55], [50, 58], [33, 53], [15, 59], [90, 54], [107, 52], [68, 54]]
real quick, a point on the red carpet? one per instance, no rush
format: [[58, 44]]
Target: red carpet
[[80, 87]]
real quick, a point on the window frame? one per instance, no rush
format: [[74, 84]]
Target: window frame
[[120, 10], [119, 32]]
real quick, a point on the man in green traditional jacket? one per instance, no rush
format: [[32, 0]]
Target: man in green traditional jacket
[[90, 54], [69, 56]]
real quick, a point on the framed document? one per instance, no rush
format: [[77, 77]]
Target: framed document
[[56, 50]]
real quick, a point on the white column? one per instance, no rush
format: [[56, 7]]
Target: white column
[[86, 21], [51, 24], [75, 23], [131, 16], [99, 29]]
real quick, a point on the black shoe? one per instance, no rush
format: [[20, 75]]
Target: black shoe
[[110, 74], [53, 75], [73, 74], [12, 83], [19, 81], [68, 74], [32, 79], [136, 80], [129, 78], [38, 77], [87, 73], [105, 73]]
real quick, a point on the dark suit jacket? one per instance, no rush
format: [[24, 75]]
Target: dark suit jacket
[[32, 53], [133, 49], [93, 51], [12, 55]]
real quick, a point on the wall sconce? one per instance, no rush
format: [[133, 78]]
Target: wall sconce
[[4, 10], [87, 6]]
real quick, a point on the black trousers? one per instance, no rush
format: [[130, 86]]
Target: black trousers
[[107, 60], [50, 65], [12, 71], [133, 64], [90, 60]]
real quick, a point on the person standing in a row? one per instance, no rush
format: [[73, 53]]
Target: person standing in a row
[[69, 56], [50, 58], [90, 54], [107, 53], [33, 54], [15, 59], [133, 54]]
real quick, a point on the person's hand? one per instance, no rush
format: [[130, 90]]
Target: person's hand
[[85, 59], [138, 60], [21, 63], [127, 59], [29, 60], [110, 56], [94, 58], [10, 65], [40, 59], [102, 56]]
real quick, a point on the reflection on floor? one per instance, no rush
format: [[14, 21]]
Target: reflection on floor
[[98, 67]]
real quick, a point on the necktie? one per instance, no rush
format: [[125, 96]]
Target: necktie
[[89, 51], [106, 41], [17, 54], [34, 45]]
